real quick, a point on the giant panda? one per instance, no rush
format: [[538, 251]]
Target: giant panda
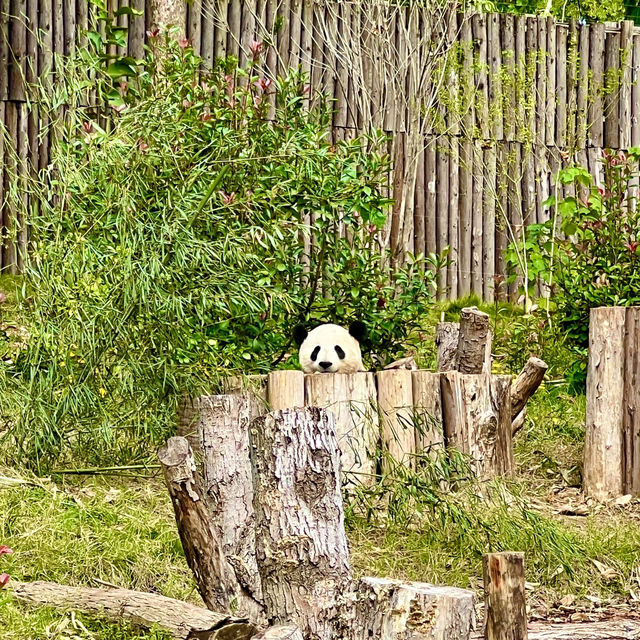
[[330, 348]]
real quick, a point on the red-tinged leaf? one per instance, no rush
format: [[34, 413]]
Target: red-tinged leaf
[[4, 578], [5, 549]]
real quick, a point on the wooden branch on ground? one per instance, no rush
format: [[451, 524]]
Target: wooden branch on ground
[[183, 620], [203, 549], [602, 630], [526, 384], [518, 422]]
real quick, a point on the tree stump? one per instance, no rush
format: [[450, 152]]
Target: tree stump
[[476, 410], [505, 606], [447, 334], [285, 389], [472, 341], [301, 544], [392, 610]]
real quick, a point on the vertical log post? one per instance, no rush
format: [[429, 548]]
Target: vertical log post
[[603, 452], [472, 340], [427, 411], [285, 389], [476, 411], [395, 401], [301, 546], [447, 334], [504, 596]]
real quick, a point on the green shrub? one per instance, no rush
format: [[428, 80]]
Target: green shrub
[[589, 250], [169, 248]]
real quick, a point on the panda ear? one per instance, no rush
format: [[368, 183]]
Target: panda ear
[[358, 330], [300, 334]]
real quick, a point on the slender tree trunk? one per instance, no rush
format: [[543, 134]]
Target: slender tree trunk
[[169, 13]]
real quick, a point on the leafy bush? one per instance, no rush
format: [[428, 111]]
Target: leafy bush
[[588, 250], [181, 239]]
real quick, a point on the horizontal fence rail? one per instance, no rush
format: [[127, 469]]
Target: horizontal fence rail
[[482, 110]]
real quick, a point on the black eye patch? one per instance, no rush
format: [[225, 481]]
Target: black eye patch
[[340, 352], [314, 354]]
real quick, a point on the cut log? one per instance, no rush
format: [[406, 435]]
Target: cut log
[[351, 398], [395, 403], [504, 596], [223, 431], [526, 384], [285, 389], [427, 411], [392, 610], [447, 334], [301, 546], [476, 410], [472, 340], [603, 630], [183, 620], [203, 548], [603, 454]]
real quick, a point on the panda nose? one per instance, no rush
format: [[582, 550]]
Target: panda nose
[[325, 365]]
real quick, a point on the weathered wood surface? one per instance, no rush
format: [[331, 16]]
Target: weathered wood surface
[[447, 335], [395, 402], [602, 630], [472, 340], [476, 411], [603, 454], [525, 385], [351, 398], [203, 547], [391, 610], [427, 411], [504, 596], [183, 620], [285, 389], [223, 431], [612, 443], [301, 546]]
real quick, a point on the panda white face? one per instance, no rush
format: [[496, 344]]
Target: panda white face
[[330, 348]]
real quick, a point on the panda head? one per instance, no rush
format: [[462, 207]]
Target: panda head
[[330, 348]]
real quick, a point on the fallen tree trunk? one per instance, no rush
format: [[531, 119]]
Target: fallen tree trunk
[[603, 630], [183, 620], [203, 548]]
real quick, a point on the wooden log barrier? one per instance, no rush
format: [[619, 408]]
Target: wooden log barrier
[[476, 411]]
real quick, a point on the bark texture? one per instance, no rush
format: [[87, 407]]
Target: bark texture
[[203, 548], [526, 384], [447, 335], [164, 13], [280, 632], [351, 398], [392, 610], [472, 340], [183, 620], [476, 412], [224, 428], [504, 595], [301, 545]]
